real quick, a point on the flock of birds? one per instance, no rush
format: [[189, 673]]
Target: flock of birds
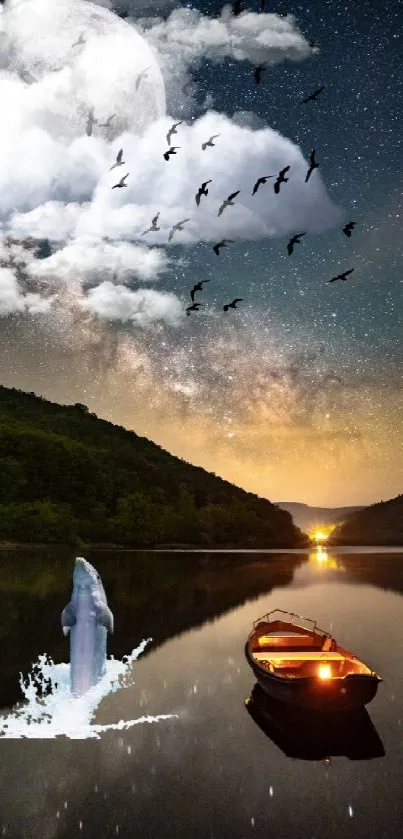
[[280, 178]]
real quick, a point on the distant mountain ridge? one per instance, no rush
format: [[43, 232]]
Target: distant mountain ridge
[[307, 517]]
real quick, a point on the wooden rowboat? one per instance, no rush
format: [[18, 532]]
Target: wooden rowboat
[[305, 666]]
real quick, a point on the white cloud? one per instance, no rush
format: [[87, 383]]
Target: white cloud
[[55, 180], [239, 157], [13, 301], [90, 261], [142, 307], [190, 35]]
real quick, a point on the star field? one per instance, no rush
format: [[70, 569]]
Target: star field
[[298, 393]]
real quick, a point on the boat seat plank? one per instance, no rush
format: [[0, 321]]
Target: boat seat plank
[[268, 655], [290, 636]]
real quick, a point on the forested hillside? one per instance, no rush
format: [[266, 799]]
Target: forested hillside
[[66, 475], [379, 524]]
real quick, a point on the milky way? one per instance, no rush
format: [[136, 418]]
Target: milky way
[[298, 393]]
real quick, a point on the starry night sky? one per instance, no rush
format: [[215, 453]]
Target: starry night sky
[[308, 407], [354, 330]]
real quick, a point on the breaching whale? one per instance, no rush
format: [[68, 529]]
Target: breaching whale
[[88, 619]]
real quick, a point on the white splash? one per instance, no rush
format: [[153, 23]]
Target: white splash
[[59, 713]]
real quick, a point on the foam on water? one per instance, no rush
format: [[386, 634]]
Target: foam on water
[[59, 713]]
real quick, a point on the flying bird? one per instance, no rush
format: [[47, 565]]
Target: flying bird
[[90, 122], [194, 308], [121, 182], [209, 142], [294, 241], [348, 228], [312, 165], [313, 96], [153, 225], [171, 150], [261, 181], [173, 131], [202, 191], [119, 161], [108, 122], [80, 41], [281, 179], [222, 244], [258, 72], [229, 202], [197, 287], [177, 226], [233, 304], [342, 276], [142, 75]]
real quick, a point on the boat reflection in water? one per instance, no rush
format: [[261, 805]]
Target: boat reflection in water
[[311, 735]]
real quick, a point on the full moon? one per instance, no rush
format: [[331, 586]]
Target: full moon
[[76, 58]]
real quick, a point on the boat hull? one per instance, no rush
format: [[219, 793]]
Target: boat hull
[[344, 694]]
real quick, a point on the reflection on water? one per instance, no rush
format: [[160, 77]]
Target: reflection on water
[[210, 772], [309, 735]]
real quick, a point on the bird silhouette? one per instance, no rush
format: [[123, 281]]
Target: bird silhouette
[[233, 304], [222, 244], [153, 225], [121, 182], [281, 179], [348, 228], [171, 150], [229, 202], [194, 308], [108, 122], [173, 130], [258, 72], [294, 241], [142, 75], [237, 8], [197, 287], [209, 142], [202, 191], [90, 122], [261, 181], [312, 165], [176, 227], [118, 161], [313, 96], [80, 41], [343, 276]]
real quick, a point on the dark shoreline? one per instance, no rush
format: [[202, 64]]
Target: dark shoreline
[[180, 547]]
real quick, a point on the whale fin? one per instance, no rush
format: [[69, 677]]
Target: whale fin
[[68, 618], [105, 616]]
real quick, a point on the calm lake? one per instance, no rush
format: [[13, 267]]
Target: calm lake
[[212, 771]]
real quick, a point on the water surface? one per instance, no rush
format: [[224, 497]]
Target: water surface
[[211, 772]]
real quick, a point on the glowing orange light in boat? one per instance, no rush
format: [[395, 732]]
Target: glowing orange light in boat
[[325, 671]]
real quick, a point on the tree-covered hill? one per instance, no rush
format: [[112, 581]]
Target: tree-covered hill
[[66, 475], [379, 524]]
